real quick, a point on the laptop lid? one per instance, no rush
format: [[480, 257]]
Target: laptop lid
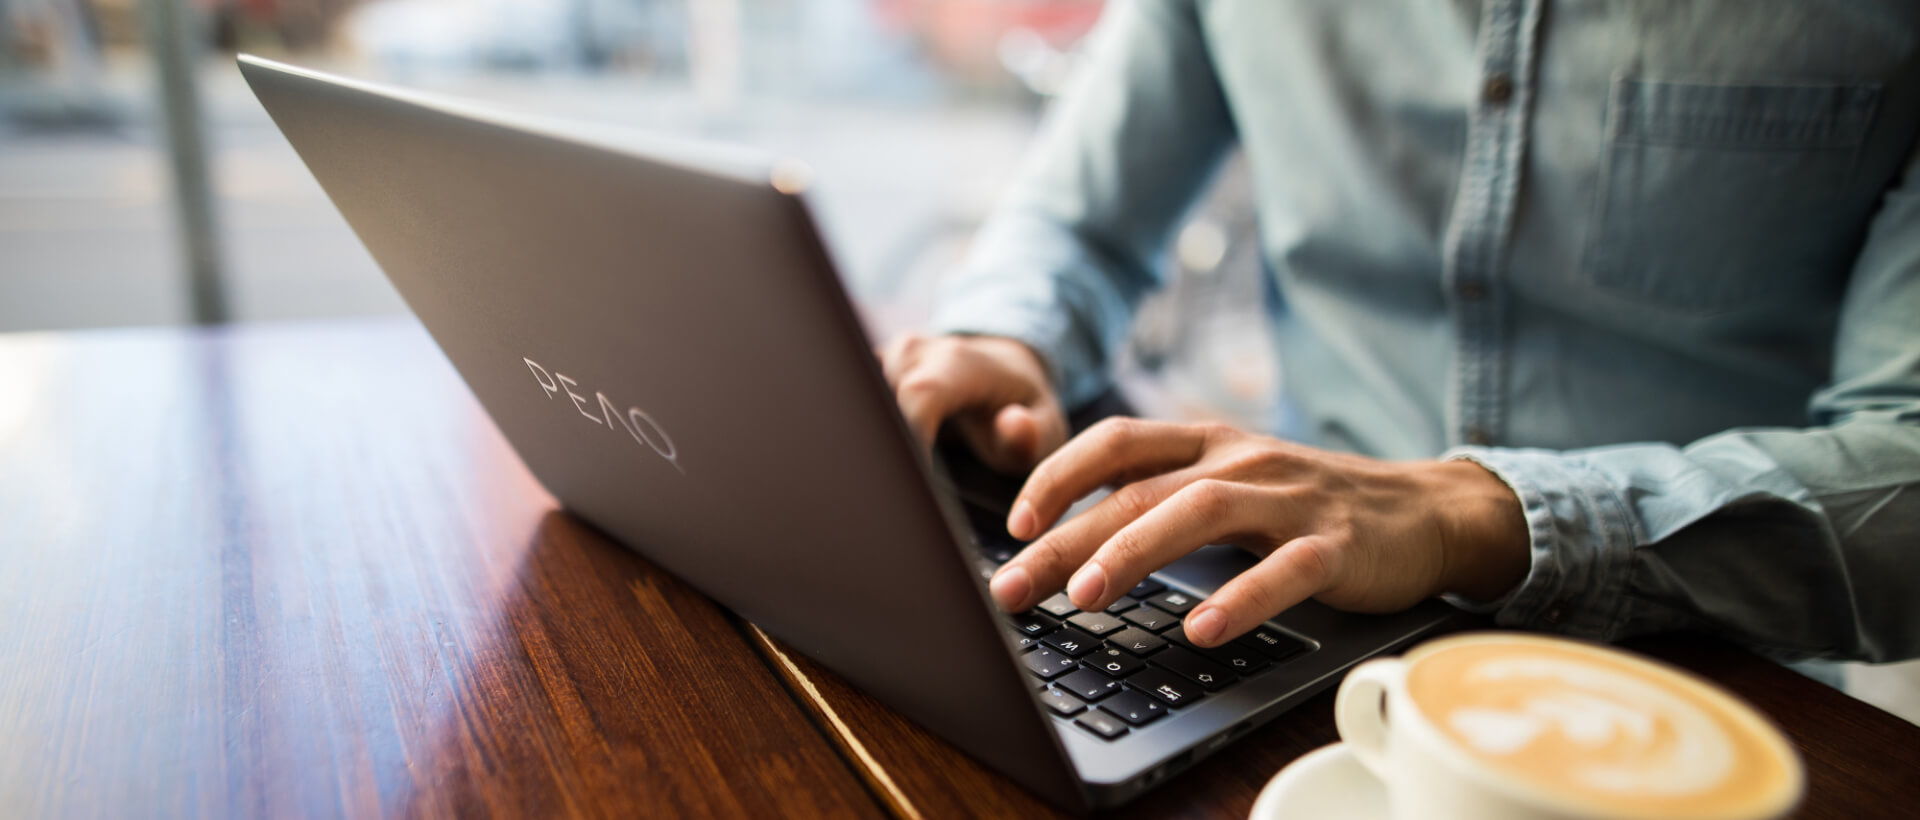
[[661, 336]]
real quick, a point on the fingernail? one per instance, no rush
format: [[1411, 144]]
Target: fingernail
[[1087, 585], [1010, 588], [1206, 625], [1020, 521]]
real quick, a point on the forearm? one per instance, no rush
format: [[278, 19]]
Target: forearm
[[1081, 237], [1796, 542], [1030, 279]]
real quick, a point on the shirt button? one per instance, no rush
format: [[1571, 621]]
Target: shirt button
[[1555, 614], [1498, 89], [1478, 436], [1472, 290]]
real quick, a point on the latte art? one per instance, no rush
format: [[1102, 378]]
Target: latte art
[[1598, 728], [1622, 735]]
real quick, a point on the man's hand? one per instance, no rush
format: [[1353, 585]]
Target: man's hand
[[1357, 533], [994, 389]]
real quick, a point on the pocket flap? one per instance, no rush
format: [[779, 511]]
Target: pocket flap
[[1741, 116]]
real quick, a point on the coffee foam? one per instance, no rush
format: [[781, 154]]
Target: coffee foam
[[1599, 728]]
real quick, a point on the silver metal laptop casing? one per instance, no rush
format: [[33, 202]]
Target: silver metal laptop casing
[[662, 338]]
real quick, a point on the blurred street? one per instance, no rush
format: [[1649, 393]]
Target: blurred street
[[88, 240], [913, 114]]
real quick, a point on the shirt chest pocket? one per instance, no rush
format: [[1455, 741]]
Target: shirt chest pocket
[[1715, 197]]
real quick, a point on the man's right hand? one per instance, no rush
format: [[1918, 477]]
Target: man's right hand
[[994, 389]]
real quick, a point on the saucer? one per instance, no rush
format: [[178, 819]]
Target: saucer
[[1326, 782]]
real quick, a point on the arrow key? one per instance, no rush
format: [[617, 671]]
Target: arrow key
[[1242, 659], [1194, 668]]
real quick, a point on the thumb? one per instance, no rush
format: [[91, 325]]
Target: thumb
[[1005, 439], [1016, 435]]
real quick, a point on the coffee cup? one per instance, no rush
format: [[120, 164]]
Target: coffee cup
[[1494, 726]]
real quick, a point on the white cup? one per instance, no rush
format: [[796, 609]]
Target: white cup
[[1432, 774]]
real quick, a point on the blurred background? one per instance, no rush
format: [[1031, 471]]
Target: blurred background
[[141, 183]]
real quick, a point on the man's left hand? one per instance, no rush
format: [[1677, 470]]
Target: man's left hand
[[1357, 533]]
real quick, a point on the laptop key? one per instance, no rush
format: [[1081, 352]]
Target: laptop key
[[1062, 703], [1146, 589], [1097, 623], [1032, 624], [1058, 606], [1193, 667], [1136, 640], [1071, 642], [1021, 642], [1048, 663], [1134, 707], [1114, 661], [1174, 601], [986, 569], [1243, 660], [1125, 603], [1168, 688], [1150, 619], [1273, 643], [1102, 724], [1087, 684]]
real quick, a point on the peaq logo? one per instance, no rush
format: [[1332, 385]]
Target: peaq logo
[[635, 421]]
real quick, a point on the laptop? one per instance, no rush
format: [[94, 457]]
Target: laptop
[[659, 332]]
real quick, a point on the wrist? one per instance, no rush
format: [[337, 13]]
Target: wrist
[[1019, 357], [1009, 346], [1483, 533]]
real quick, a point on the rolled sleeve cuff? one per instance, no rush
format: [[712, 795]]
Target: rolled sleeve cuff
[[1028, 280], [1582, 535], [976, 306]]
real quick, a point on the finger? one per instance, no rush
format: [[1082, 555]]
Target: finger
[[1016, 434], [1296, 571], [948, 381], [1107, 453], [926, 398], [1203, 512], [1042, 568], [898, 356], [1050, 430], [1006, 440]]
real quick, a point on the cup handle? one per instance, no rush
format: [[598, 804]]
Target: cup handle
[[1360, 710]]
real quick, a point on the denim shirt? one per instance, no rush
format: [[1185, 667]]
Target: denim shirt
[[1654, 264]]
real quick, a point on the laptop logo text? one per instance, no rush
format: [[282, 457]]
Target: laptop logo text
[[634, 421]]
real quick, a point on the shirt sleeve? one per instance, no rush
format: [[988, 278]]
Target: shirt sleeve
[[1798, 542], [1080, 238]]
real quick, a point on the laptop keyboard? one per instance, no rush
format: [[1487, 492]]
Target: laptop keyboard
[[1131, 665]]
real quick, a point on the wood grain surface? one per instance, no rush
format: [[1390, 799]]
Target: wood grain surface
[[292, 571], [1861, 762]]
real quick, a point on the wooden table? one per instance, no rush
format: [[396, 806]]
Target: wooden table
[[292, 570]]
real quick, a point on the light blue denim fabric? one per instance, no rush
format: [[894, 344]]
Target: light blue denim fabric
[[1656, 264]]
